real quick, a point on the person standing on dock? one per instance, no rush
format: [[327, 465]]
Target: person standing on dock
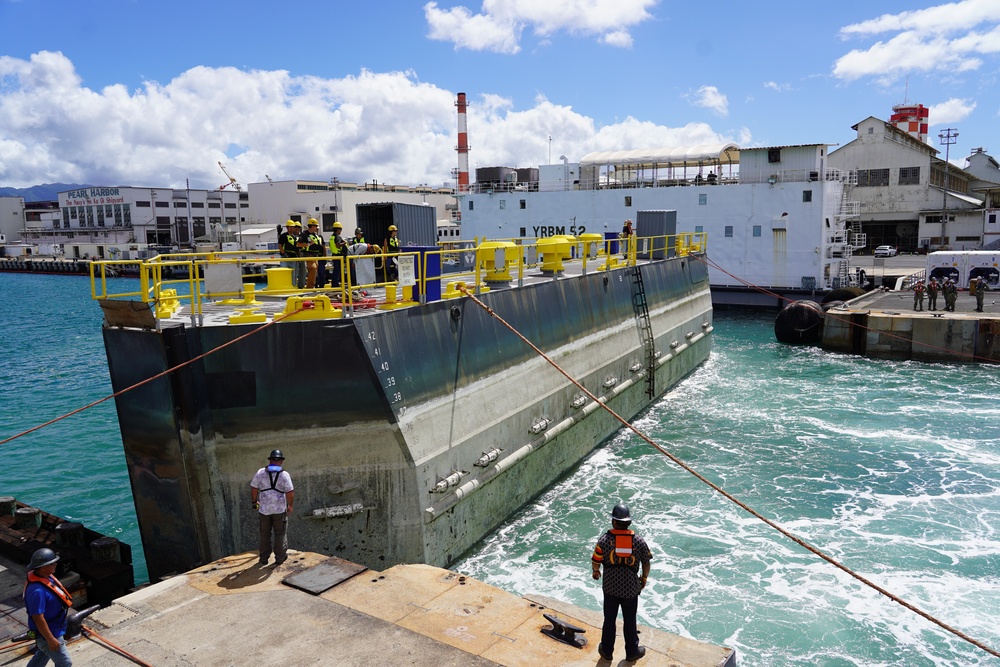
[[621, 552], [47, 603], [932, 292], [273, 496], [981, 289], [950, 294], [918, 295]]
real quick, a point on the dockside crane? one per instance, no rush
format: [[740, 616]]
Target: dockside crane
[[232, 181]]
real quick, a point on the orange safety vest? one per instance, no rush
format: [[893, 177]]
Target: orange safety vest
[[53, 585], [622, 553]]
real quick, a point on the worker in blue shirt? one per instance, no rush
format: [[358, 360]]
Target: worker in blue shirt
[[47, 602]]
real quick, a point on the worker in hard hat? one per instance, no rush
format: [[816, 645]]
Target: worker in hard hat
[[273, 496], [288, 247], [621, 553], [392, 248], [338, 249], [313, 247], [47, 603]]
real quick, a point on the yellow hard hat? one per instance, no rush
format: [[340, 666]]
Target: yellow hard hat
[[337, 225], [392, 228], [293, 223], [313, 221]]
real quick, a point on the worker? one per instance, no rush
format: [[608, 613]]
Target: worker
[[621, 553], [292, 243], [918, 295], [392, 249], [981, 289], [950, 294], [273, 496], [288, 245], [359, 237], [626, 237], [314, 247], [932, 293], [338, 250], [47, 603]]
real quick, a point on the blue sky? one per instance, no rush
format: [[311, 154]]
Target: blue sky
[[135, 92]]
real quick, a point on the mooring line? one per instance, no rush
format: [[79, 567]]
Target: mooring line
[[726, 494], [888, 334], [90, 634], [306, 305]]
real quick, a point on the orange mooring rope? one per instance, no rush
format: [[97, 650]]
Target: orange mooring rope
[[729, 496]]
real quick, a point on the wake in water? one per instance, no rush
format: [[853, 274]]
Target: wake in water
[[891, 468]]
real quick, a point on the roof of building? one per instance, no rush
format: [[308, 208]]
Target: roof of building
[[677, 156]]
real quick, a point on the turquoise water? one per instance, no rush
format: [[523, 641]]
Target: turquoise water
[[53, 362], [892, 468]]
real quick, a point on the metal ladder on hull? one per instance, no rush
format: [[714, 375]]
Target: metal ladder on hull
[[645, 329]]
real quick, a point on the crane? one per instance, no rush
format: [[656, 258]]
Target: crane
[[232, 181]]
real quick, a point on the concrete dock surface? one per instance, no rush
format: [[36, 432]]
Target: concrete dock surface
[[316, 610], [883, 324]]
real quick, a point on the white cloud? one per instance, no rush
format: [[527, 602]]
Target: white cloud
[[778, 87], [709, 97], [950, 111], [500, 23], [953, 37], [384, 126]]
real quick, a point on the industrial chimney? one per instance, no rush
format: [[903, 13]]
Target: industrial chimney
[[463, 146]]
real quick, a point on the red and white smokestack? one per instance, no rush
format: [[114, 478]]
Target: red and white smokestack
[[463, 146]]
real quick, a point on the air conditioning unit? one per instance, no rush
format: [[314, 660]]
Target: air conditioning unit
[[334, 208]]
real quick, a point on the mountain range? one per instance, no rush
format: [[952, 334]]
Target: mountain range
[[44, 192]]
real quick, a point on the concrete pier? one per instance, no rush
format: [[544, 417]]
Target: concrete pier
[[316, 610], [883, 324]]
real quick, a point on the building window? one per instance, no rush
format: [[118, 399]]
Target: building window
[[472, 205], [214, 204], [197, 204], [524, 204], [180, 204], [503, 204], [729, 231], [756, 230], [991, 218], [773, 155], [142, 204], [628, 201], [909, 175], [162, 204], [807, 195], [873, 177], [230, 204], [702, 200]]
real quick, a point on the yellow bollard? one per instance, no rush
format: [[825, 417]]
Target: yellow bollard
[[278, 280]]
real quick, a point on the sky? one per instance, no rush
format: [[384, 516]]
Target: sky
[[144, 93]]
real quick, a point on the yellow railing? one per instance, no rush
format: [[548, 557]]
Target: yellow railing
[[168, 281]]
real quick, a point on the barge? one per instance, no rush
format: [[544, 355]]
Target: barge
[[411, 428]]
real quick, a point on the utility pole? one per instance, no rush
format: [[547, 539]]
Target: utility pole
[[948, 136]]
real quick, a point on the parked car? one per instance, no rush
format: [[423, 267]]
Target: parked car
[[886, 251]]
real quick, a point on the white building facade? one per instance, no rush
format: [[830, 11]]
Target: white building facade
[[909, 198]]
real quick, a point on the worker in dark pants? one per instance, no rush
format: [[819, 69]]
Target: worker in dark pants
[[621, 553], [981, 289]]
